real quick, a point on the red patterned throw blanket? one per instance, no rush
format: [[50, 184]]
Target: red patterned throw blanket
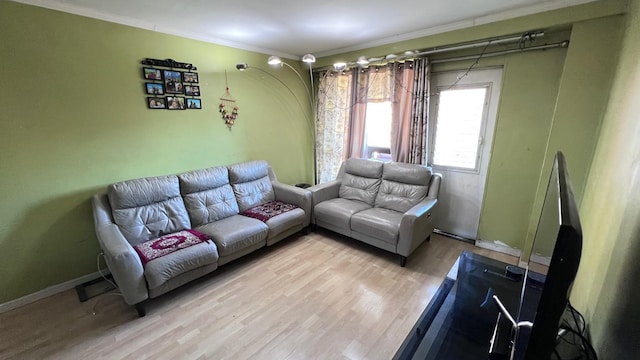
[[169, 243], [266, 211]]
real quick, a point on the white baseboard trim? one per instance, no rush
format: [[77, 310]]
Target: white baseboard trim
[[51, 290], [498, 246]]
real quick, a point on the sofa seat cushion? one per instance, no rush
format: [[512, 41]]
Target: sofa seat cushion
[[160, 270], [380, 223], [266, 211], [235, 233], [167, 244], [285, 221], [338, 211]]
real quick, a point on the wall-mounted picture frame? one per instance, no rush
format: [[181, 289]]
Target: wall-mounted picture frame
[[190, 77], [172, 82], [156, 103], [192, 90], [150, 73], [176, 103], [194, 104], [154, 88]]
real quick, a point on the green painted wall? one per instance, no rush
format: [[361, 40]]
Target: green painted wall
[[529, 91], [606, 289], [74, 119], [580, 106]]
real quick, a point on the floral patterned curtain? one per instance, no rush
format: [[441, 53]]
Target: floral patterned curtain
[[356, 141], [419, 130], [332, 124]]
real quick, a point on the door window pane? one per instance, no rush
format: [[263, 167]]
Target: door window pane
[[458, 124]]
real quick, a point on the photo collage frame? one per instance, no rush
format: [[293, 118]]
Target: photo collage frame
[[171, 85]]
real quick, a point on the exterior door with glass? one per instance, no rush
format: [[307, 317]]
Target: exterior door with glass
[[463, 114]]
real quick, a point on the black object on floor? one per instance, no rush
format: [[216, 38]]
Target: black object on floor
[[94, 288]]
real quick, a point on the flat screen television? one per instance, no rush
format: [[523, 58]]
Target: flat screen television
[[551, 270]]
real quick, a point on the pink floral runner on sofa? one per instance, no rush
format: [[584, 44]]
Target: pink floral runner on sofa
[[169, 243], [266, 211]]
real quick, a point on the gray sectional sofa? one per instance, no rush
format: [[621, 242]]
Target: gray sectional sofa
[[209, 201], [387, 205]]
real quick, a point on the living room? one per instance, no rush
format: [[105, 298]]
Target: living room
[[74, 121]]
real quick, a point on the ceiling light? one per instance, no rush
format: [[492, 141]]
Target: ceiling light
[[308, 58], [274, 60], [409, 53], [340, 66], [391, 56], [242, 66], [362, 61]]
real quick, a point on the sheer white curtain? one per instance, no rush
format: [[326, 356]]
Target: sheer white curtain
[[332, 124]]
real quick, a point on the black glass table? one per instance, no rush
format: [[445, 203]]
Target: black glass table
[[460, 320]]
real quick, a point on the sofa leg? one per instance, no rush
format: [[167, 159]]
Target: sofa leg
[[403, 260], [141, 310]]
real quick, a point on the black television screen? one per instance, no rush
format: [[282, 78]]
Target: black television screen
[[551, 268]]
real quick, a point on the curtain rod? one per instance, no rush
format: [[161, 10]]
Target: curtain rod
[[528, 35], [562, 44]]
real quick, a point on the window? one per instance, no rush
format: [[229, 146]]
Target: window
[[378, 130], [457, 133]]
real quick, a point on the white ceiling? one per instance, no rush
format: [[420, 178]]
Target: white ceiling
[[291, 28]]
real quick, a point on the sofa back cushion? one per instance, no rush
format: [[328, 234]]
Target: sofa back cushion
[[361, 180], [251, 184], [403, 186], [207, 194], [148, 208]]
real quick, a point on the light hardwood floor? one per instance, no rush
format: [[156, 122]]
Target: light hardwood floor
[[316, 296]]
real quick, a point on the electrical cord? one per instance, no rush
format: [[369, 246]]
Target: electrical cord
[[103, 276], [557, 354], [577, 330], [588, 349], [115, 287], [95, 305], [576, 315], [484, 50]]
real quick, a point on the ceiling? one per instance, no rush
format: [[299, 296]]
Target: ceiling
[[292, 28]]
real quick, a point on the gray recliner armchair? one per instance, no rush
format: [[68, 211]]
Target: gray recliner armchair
[[387, 205]]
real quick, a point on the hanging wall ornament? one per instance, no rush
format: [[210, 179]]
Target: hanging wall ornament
[[228, 107]]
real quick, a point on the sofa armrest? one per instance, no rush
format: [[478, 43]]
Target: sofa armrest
[[122, 260], [416, 226], [434, 186], [294, 195], [323, 192]]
